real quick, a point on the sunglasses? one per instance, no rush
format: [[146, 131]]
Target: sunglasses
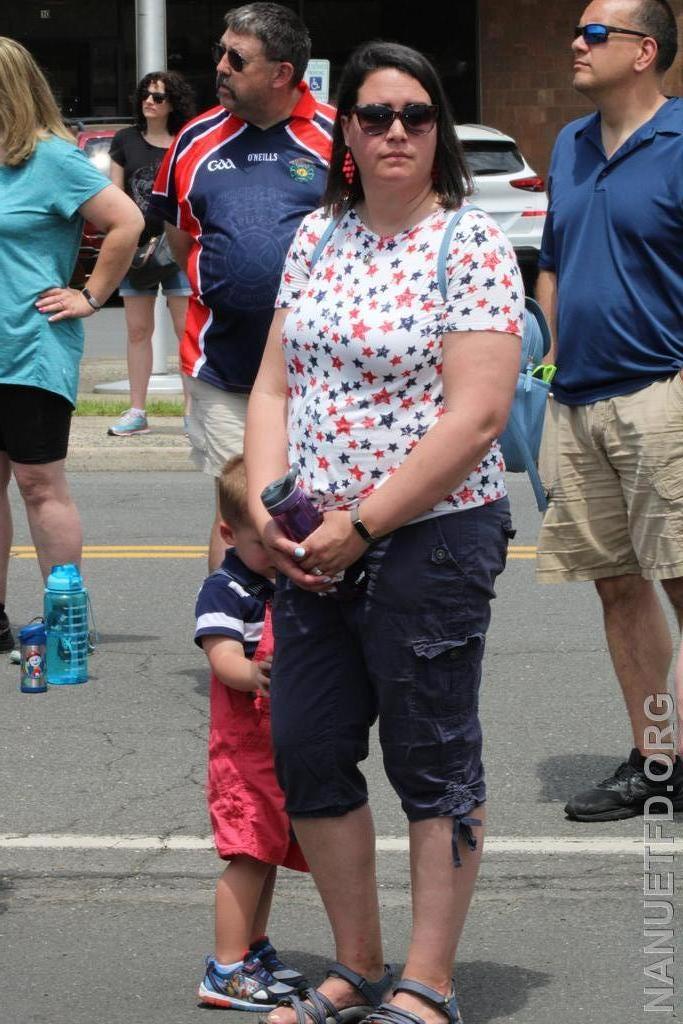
[[377, 118], [156, 97], [595, 33], [236, 61]]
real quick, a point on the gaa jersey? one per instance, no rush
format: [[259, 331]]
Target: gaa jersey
[[240, 192]]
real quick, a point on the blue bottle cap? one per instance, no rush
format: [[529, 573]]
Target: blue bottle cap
[[64, 577], [34, 633]]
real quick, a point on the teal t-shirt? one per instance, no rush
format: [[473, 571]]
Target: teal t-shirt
[[40, 232]]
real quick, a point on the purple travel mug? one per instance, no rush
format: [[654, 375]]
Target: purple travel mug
[[292, 510]]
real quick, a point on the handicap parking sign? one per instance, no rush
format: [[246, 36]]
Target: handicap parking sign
[[318, 78]]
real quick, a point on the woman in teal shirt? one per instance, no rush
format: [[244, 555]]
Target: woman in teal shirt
[[47, 188]]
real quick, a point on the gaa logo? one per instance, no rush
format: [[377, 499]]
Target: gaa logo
[[220, 165], [301, 170]]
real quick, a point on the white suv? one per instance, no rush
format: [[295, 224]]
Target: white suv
[[509, 189]]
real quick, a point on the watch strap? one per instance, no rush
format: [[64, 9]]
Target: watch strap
[[90, 298], [360, 526]]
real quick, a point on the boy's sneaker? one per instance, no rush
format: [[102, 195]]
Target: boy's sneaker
[[6, 637], [130, 423], [249, 987], [623, 795], [267, 954]]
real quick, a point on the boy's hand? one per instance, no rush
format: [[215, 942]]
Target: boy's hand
[[261, 671]]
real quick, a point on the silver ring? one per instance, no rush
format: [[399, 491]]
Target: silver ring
[[316, 572]]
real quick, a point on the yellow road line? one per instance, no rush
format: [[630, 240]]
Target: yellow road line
[[131, 551]]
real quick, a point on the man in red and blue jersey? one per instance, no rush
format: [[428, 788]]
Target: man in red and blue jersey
[[233, 188]]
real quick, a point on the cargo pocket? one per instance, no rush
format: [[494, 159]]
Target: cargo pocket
[[448, 676]]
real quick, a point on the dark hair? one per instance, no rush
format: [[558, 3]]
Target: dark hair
[[232, 492], [659, 21], [452, 179], [179, 92], [282, 32]]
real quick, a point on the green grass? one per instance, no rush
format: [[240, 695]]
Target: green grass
[[114, 407]]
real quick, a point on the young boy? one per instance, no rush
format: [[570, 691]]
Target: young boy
[[251, 829]]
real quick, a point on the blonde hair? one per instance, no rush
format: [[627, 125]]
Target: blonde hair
[[28, 110], [232, 493]]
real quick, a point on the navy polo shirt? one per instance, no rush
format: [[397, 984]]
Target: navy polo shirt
[[614, 238]]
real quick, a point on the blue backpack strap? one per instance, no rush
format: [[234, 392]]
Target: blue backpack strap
[[323, 240], [529, 462], [444, 248]]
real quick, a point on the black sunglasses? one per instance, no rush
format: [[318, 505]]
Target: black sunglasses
[[236, 61], [377, 118], [156, 97], [595, 33]]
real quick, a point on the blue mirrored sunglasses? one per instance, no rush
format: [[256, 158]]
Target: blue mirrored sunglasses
[[596, 33]]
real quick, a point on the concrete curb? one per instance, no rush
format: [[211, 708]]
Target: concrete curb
[[164, 449]]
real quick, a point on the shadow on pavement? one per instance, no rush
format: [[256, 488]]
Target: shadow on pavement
[[495, 992], [200, 676], [565, 775]]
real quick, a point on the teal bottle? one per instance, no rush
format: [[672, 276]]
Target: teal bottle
[[66, 625]]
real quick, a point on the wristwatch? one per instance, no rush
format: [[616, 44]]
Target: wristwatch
[[360, 526], [90, 299]]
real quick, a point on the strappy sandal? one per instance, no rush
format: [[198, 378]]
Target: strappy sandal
[[315, 1007], [389, 1014]]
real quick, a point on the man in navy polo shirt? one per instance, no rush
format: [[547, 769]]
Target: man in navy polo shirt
[[612, 457], [233, 189]]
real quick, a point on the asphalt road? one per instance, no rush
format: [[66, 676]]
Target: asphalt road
[[114, 930]]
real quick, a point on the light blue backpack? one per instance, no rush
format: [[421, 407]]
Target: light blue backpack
[[521, 440]]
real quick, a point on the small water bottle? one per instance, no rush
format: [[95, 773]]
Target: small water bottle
[[32, 647], [66, 624], [292, 510]]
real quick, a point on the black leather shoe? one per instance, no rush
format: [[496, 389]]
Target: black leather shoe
[[623, 794], [6, 638]]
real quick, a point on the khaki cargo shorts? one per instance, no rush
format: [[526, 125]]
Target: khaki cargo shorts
[[216, 425], [614, 474]]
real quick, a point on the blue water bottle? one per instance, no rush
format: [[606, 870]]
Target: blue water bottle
[[66, 623]]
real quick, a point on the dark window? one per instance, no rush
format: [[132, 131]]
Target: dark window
[[493, 157]]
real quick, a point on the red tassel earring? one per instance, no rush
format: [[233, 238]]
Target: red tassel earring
[[349, 167]]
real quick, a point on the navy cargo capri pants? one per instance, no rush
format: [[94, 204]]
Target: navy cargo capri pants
[[406, 646]]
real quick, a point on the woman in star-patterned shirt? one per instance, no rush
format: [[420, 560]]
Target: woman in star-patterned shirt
[[390, 397]]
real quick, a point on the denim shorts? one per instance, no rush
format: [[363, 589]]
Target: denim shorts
[[402, 642], [178, 284]]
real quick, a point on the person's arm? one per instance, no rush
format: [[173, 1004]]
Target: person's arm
[[118, 218], [116, 173], [180, 243], [480, 370], [546, 296], [231, 666]]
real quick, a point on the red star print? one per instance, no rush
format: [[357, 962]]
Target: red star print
[[405, 298], [491, 260], [322, 462], [343, 425], [357, 472], [298, 365], [381, 397], [386, 327], [369, 376], [360, 330], [337, 362]]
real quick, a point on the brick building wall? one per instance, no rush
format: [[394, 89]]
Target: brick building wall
[[526, 70]]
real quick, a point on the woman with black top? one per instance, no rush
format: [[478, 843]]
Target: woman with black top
[[163, 103]]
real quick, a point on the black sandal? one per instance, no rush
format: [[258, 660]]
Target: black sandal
[[319, 1009], [389, 1014]]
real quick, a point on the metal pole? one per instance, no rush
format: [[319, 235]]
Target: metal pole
[[150, 43], [150, 35], [150, 29]]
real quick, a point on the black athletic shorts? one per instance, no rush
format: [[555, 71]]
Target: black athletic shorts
[[34, 424]]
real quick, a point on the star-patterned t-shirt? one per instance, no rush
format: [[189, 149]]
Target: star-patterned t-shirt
[[363, 344]]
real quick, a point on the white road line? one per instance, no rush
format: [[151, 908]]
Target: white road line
[[614, 845]]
